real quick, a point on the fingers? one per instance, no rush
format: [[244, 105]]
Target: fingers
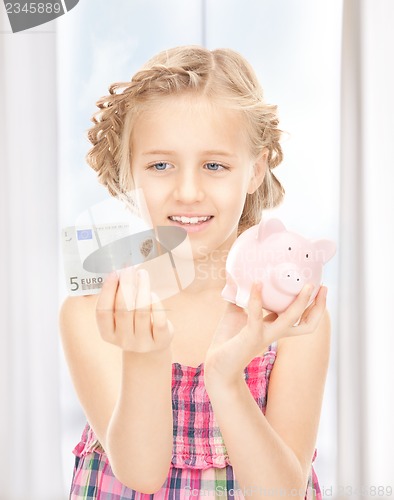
[[125, 302], [126, 316], [125, 298], [142, 314], [162, 328], [314, 312], [292, 314], [297, 319], [306, 318], [105, 307], [232, 321], [255, 305], [106, 298]]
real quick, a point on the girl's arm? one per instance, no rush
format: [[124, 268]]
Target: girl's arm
[[272, 453], [124, 382]]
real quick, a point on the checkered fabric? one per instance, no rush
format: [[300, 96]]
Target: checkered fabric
[[200, 466]]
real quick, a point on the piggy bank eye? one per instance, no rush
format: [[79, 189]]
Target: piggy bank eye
[[307, 255], [289, 248]]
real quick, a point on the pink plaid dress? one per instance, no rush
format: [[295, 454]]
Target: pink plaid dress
[[200, 466]]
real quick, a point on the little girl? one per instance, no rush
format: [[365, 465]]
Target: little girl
[[193, 396]]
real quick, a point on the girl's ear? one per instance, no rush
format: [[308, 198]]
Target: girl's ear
[[258, 174]]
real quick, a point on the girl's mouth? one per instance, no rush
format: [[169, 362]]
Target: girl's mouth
[[191, 224]]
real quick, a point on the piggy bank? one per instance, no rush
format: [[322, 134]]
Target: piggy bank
[[281, 260]]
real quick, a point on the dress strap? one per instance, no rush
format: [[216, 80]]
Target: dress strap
[[273, 347]]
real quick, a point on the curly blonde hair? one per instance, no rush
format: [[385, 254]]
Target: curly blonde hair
[[222, 75]]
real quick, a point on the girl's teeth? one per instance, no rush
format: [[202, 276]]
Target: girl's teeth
[[189, 220]]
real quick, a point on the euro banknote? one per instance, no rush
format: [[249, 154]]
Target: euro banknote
[[91, 252]]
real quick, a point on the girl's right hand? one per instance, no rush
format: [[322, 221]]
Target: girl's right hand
[[129, 316]]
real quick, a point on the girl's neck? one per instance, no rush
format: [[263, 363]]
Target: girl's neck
[[210, 270]]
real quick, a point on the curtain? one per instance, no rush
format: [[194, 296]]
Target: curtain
[[365, 324], [30, 460], [48, 85]]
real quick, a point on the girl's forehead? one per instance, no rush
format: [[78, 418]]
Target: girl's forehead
[[188, 103], [190, 122], [188, 113]]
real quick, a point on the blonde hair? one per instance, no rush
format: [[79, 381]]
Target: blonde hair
[[222, 75]]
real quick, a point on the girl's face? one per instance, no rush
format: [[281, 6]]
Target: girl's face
[[193, 162]]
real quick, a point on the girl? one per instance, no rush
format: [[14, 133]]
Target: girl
[[194, 396]]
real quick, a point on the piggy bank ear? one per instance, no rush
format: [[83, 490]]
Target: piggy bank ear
[[270, 227], [324, 250]]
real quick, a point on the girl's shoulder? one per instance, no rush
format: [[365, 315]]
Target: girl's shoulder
[[81, 339], [78, 309], [77, 322], [79, 333]]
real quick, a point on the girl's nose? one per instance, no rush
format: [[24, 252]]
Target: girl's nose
[[189, 188]]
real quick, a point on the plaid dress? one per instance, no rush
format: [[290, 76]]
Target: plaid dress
[[200, 466]]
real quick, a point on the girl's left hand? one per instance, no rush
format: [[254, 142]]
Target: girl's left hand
[[241, 335]]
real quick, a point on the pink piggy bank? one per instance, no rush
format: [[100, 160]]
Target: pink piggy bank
[[281, 260]]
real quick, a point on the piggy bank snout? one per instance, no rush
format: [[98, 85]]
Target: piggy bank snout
[[288, 278]]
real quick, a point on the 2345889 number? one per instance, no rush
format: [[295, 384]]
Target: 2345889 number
[[33, 8]]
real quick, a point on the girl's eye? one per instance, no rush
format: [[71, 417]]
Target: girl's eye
[[214, 166], [160, 166]]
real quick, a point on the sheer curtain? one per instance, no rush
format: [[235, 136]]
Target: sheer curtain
[[377, 76], [365, 326], [340, 142], [30, 459]]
